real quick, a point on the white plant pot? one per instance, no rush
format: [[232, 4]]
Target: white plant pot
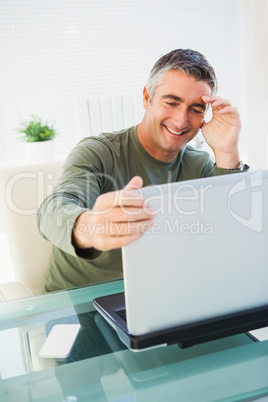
[[42, 151]]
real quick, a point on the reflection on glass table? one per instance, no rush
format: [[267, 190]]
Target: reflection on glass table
[[101, 368]]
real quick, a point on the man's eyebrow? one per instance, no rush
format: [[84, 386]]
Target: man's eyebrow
[[174, 97], [178, 99]]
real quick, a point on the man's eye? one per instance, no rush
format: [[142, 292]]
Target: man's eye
[[171, 103], [198, 111]]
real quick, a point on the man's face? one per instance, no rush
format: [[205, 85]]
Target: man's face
[[174, 115]]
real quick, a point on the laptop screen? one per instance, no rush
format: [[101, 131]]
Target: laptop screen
[[205, 256]]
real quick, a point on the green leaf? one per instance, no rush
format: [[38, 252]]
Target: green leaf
[[35, 130]]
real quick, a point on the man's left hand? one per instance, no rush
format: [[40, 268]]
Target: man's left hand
[[222, 131]]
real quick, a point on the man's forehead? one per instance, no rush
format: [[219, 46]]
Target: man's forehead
[[176, 80]]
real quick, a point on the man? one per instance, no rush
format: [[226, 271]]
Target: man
[[94, 212]]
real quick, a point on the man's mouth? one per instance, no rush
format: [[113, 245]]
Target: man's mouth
[[174, 132]]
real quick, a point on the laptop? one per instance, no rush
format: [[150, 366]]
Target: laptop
[[201, 272]]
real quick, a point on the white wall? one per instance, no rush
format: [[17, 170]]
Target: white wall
[[256, 79]]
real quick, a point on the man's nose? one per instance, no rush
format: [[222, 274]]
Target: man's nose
[[181, 118]]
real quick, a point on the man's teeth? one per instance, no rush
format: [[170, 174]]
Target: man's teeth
[[174, 132]]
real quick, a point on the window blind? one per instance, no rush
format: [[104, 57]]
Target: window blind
[[52, 51]]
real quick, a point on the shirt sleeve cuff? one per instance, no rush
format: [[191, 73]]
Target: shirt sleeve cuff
[[220, 171], [86, 253]]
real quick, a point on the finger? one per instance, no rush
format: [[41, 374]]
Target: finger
[[124, 240], [135, 183], [228, 109], [105, 203], [129, 197], [220, 103], [128, 228], [210, 98], [215, 101], [124, 214], [109, 242]]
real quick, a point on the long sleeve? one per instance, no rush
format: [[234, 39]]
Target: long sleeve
[[84, 177]]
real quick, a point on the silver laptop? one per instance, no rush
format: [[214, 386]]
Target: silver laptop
[[201, 272]]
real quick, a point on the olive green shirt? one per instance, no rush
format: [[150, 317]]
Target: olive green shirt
[[95, 166]]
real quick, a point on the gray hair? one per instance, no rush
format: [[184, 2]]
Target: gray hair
[[190, 62]]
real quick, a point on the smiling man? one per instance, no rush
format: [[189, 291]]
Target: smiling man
[[173, 115], [93, 212]]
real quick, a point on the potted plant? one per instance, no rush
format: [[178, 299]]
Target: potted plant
[[38, 137]]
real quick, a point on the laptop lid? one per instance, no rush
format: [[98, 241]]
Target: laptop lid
[[205, 256]]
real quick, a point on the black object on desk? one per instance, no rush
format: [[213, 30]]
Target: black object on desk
[[110, 307]]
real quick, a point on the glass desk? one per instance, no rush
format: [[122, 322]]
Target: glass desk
[[100, 368]]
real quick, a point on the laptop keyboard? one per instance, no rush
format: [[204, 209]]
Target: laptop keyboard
[[122, 314]]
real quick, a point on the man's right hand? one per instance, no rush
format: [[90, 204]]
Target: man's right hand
[[117, 219]]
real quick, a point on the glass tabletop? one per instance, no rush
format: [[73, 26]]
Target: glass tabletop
[[101, 368]]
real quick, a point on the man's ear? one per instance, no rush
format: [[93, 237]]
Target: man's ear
[[146, 98]]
